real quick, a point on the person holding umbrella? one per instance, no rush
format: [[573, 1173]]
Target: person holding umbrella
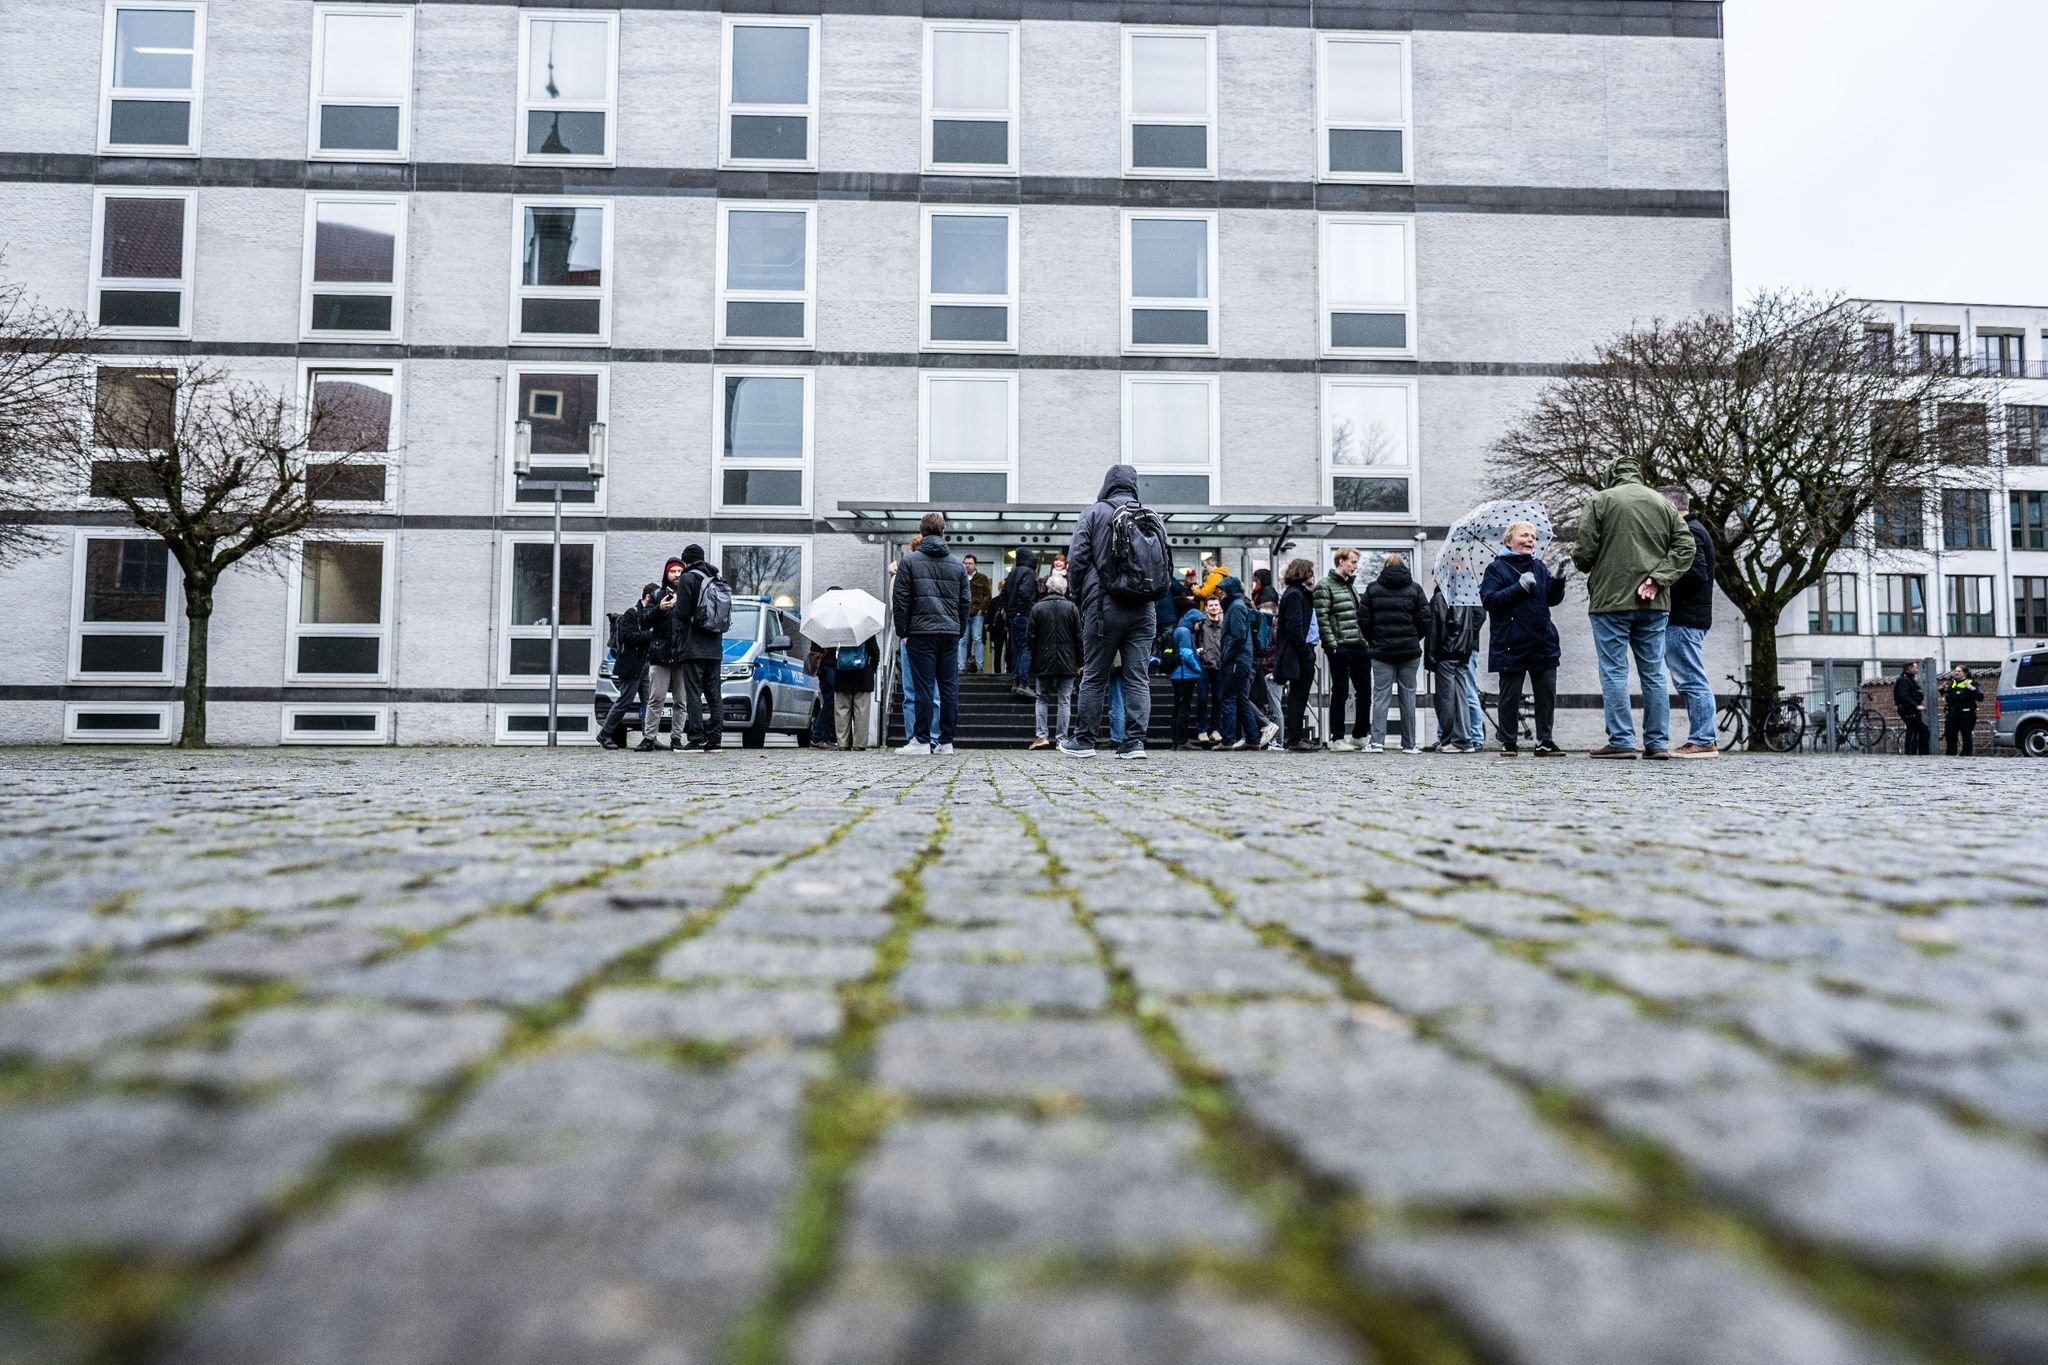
[[847, 624]]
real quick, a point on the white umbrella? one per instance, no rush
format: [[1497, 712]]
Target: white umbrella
[[1476, 539], [843, 616]]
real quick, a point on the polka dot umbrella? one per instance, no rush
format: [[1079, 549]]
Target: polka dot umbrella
[[1477, 538]]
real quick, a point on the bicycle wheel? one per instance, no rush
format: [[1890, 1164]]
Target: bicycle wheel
[[1732, 728], [1866, 731], [1785, 728]]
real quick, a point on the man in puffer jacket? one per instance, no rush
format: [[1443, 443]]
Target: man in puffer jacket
[[931, 601], [1336, 603], [1055, 661], [1396, 619]]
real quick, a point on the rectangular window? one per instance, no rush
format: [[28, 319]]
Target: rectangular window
[[1368, 285], [1896, 521], [1901, 604], [777, 568], [152, 70], [529, 603], [970, 279], [1363, 106], [336, 723], [766, 282], [1369, 445], [970, 98], [1833, 610], [528, 723], [1965, 519], [362, 83], [1170, 102], [1879, 345], [967, 435], [134, 415], [142, 261], [123, 594], [117, 723], [761, 447], [2002, 354], [2029, 521], [768, 85], [352, 412], [560, 403], [2026, 433], [2030, 605], [1169, 282], [354, 269], [1173, 437], [568, 87], [1964, 430], [561, 282], [340, 620], [1969, 605], [1936, 350]]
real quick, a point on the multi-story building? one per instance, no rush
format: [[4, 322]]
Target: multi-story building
[[813, 270], [1956, 573]]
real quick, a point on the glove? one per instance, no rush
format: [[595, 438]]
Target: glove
[[1528, 581]]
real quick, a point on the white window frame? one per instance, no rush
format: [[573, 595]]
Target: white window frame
[[394, 368], [194, 97], [314, 151], [925, 466], [73, 711], [1133, 301], [1412, 390], [522, 291], [1131, 169], [585, 723], [726, 107], [926, 298], [509, 630], [808, 296], [1214, 469], [609, 107], [1011, 118], [1328, 306], [96, 283], [382, 632], [173, 365], [379, 735], [718, 544], [1325, 125], [720, 507], [174, 589], [596, 506], [396, 289]]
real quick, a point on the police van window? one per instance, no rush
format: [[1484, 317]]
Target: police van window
[[746, 621], [2032, 671]]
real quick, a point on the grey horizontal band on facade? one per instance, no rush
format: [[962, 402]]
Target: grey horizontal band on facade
[[1616, 18], [438, 177], [874, 360]]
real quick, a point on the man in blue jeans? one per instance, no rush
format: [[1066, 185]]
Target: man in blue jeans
[[1685, 640], [1115, 637], [929, 602], [1632, 546]]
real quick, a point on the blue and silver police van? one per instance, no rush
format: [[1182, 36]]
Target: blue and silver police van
[[766, 690], [2019, 709]]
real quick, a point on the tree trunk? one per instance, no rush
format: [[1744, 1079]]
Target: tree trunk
[[198, 616], [1763, 675]]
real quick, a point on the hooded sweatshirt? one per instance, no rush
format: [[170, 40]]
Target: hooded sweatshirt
[[1187, 646], [931, 596], [1089, 549], [665, 646], [1020, 589], [1629, 532], [1239, 624], [1394, 615]]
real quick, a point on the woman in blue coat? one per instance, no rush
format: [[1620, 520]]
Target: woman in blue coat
[[1185, 670], [1518, 593]]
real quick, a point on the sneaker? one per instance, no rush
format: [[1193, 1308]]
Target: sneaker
[[1372, 748], [1074, 748], [1657, 753], [1130, 751], [645, 746], [1454, 747], [675, 746], [1510, 751], [711, 748], [942, 749], [1548, 750], [1266, 735], [1276, 747], [1690, 750], [1212, 738], [917, 748], [1024, 692], [1437, 748], [1040, 743], [1235, 745], [1410, 749], [1342, 746], [1611, 751]]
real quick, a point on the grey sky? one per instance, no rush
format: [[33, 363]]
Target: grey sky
[[1890, 148]]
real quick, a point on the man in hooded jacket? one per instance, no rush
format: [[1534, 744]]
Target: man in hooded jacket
[[1632, 546], [1110, 629], [629, 667], [1020, 593], [664, 660], [930, 602], [701, 655]]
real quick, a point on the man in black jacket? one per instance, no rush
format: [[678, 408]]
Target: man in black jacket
[[664, 661], [1055, 661], [1395, 618], [1959, 695], [930, 603], [700, 655], [1110, 629], [1911, 701], [629, 667], [1685, 638], [1020, 593]]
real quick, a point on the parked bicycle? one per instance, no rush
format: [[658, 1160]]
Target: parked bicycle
[[1784, 727], [1862, 729]]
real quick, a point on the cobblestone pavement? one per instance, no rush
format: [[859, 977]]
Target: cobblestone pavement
[[529, 1058]]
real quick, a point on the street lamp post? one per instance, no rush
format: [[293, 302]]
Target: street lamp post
[[556, 479]]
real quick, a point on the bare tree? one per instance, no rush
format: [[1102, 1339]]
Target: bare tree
[[221, 470], [1789, 421], [45, 377]]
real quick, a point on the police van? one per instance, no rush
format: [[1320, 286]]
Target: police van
[[765, 687], [2019, 711]]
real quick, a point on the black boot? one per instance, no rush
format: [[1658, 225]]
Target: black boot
[[645, 746]]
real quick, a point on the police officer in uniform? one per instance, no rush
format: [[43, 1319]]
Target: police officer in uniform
[[1960, 695]]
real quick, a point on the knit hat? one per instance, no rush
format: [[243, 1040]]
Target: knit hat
[[674, 562], [693, 554], [1057, 584]]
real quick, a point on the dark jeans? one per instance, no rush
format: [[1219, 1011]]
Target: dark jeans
[[1236, 708], [1020, 649], [705, 696], [1186, 710], [615, 719], [1960, 730], [1543, 681], [823, 728], [1296, 706], [1110, 629], [1918, 740], [1350, 672], [1209, 700], [935, 671]]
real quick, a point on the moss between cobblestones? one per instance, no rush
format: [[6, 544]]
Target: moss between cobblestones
[[111, 1304]]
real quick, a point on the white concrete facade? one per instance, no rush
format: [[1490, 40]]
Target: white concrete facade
[[1561, 187]]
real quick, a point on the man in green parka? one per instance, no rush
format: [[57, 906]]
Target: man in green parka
[[1632, 546]]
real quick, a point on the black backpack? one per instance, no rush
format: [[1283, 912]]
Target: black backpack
[[1139, 567], [714, 607]]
